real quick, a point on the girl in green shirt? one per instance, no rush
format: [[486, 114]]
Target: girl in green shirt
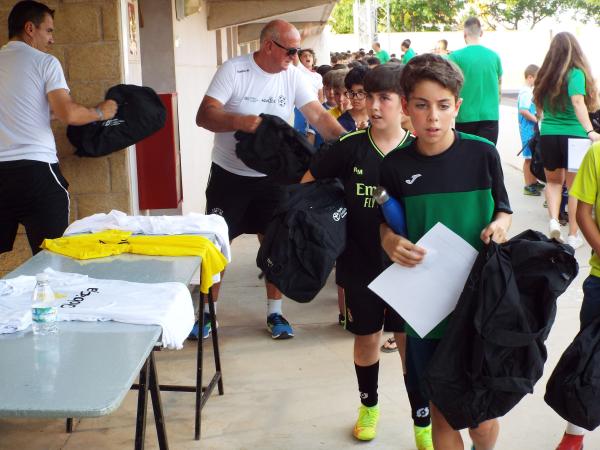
[[565, 91]]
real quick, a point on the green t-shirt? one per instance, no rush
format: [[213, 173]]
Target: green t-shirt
[[565, 122], [382, 56], [586, 189], [482, 70], [463, 188], [408, 55]]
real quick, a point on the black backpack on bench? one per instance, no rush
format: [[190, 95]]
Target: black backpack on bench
[[304, 238]]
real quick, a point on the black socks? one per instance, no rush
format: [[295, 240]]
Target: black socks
[[367, 383], [419, 405]]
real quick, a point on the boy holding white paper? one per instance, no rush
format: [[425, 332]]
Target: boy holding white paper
[[448, 177]]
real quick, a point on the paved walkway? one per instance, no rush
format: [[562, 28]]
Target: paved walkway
[[301, 393]]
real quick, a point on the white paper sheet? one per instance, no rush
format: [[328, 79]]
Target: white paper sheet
[[424, 295], [577, 150]]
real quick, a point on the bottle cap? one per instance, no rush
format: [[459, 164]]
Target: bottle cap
[[380, 195], [41, 277]]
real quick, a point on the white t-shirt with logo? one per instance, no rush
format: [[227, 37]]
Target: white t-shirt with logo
[[79, 297], [244, 88], [26, 77]]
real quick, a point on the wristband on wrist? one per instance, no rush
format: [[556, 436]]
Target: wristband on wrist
[[100, 114], [591, 131]]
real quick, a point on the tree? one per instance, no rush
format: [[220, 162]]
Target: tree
[[341, 20], [590, 10], [405, 15], [423, 15], [513, 12]]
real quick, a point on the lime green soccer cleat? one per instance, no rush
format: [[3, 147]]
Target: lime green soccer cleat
[[366, 425]]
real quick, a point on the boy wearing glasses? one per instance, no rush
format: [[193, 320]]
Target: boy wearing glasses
[[244, 87], [357, 117]]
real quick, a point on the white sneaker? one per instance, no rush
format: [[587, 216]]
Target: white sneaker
[[555, 230], [575, 241]]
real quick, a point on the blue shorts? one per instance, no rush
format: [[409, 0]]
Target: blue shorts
[[590, 308], [526, 136]]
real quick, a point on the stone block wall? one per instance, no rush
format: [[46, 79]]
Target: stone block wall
[[88, 45]]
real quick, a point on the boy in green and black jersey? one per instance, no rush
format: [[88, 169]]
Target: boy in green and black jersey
[[355, 159], [448, 177]]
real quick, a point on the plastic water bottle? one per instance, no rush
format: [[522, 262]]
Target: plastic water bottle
[[392, 211], [43, 308]]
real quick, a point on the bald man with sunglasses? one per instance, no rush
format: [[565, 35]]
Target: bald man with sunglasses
[[243, 88]]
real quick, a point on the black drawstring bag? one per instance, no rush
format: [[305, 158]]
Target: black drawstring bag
[[140, 114], [493, 351], [304, 238], [573, 390]]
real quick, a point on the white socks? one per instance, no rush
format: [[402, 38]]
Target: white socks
[[575, 430], [207, 310], [273, 307]]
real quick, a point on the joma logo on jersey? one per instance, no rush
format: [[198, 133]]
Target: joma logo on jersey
[[357, 171]]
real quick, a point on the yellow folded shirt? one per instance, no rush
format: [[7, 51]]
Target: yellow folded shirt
[[115, 242]]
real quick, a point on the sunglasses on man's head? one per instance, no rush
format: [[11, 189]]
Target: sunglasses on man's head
[[290, 51]]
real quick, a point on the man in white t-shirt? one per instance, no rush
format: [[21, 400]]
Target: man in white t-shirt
[[33, 192], [244, 87]]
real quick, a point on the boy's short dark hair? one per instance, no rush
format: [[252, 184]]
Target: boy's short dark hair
[[384, 78], [337, 79], [394, 60], [405, 43], [355, 76], [340, 66], [433, 68], [328, 78], [353, 64], [531, 70], [323, 69], [26, 11], [373, 61], [472, 26]]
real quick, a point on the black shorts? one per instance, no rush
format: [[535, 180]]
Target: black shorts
[[366, 313], [339, 272], [418, 354], [246, 203], [34, 194], [555, 150], [487, 129]]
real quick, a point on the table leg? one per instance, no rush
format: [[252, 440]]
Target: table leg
[[215, 340], [199, 364], [140, 425], [161, 430]]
